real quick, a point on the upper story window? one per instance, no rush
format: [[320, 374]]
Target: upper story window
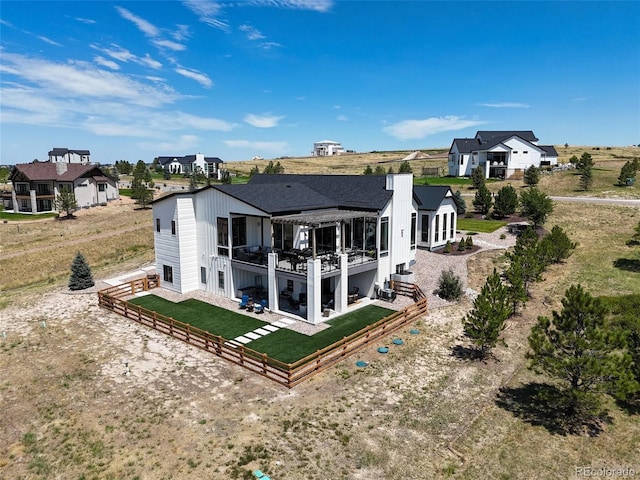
[[223, 236], [525, 151], [102, 187], [173, 227], [239, 231], [158, 225], [384, 236]]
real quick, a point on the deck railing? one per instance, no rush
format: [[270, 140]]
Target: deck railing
[[286, 374]]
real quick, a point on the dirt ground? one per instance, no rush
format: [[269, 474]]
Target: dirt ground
[[70, 411]]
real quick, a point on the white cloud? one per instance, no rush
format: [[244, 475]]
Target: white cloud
[[49, 41], [143, 25], [269, 45], [415, 129], [124, 55], [171, 45], [262, 121], [82, 80], [201, 78], [208, 12], [106, 63], [316, 5], [88, 21], [182, 32], [251, 32], [504, 105], [342, 118], [203, 123], [272, 147]]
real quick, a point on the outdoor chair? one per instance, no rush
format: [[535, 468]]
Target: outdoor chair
[[259, 307], [244, 302]]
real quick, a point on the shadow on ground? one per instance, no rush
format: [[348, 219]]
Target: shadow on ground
[[545, 405], [627, 264]]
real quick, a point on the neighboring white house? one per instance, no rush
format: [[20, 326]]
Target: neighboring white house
[[437, 216], [212, 167], [65, 155], [327, 148], [306, 244], [501, 154], [36, 185]]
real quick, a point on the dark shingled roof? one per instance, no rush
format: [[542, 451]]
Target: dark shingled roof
[[46, 171], [430, 197], [550, 149], [285, 194], [59, 152], [487, 136], [465, 145]]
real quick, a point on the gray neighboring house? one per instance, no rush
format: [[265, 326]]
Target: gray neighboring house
[[36, 185], [212, 167], [437, 216], [66, 155]]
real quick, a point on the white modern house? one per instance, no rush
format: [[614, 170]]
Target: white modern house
[[501, 154], [437, 216], [212, 167], [65, 155], [36, 185], [306, 244], [327, 148]]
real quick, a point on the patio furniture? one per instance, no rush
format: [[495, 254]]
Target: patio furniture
[[353, 295], [244, 302]]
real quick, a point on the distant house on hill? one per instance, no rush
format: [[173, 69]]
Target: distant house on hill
[[501, 154], [65, 155], [326, 148], [212, 167], [36, 185]]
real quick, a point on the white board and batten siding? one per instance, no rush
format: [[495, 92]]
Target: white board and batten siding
[[399, 211], [176, 250]]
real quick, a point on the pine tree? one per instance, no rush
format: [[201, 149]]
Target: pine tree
[[81, 277], [486, 321], [449, 286], [379, 170], [477, 177], [506, 202], [66, 202], [368, 170], [469, 243], [532, 176], [536, 206], [516, 286], [556, 246], [586, 178], [462, 245], [447, 247], [405, 167], [580, 350], [461, 205], [526, 253], [483, 199]]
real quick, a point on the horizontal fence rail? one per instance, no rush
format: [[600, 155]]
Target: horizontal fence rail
[[287, 374]]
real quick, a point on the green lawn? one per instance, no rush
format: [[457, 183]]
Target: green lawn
[[284, 345], [289, 346], [23, 216], [484, 226]]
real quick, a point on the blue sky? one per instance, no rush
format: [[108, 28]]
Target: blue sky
[[134, 80]]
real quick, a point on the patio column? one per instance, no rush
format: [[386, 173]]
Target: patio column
[[272, 281], [340, 294], [314, 298]]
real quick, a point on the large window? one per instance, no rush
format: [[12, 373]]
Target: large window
[[437, 229], [424, 237], [239, 231], [444, 227], [414, 227], [325, 239], [452, 226], [223, 236], [370, 234], [283, 236], [167, 272], [384, 236]]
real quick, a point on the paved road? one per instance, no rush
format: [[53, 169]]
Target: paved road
[[595, 200], [600, 201]]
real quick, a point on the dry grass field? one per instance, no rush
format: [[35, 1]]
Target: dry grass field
[[68, 412]]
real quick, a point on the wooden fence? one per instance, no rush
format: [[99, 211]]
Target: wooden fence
[[287, 374]]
